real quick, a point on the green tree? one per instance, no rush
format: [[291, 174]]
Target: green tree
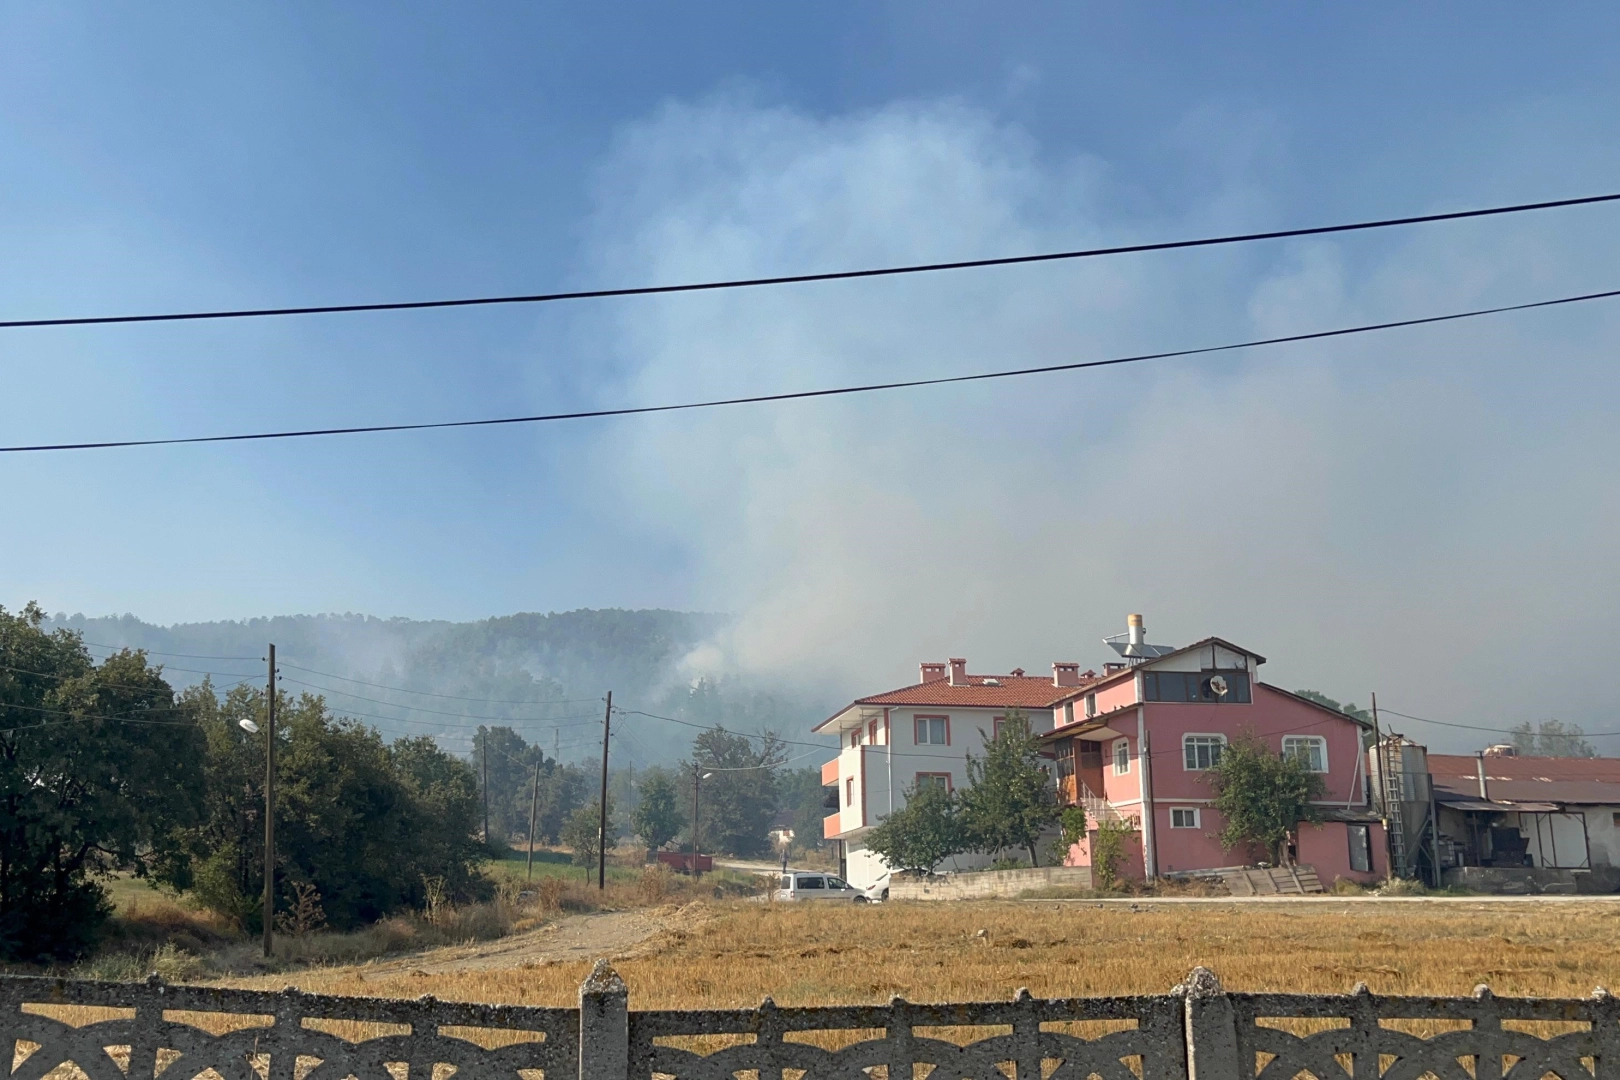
[[582, 832], [1552, 738], [362, 822], [99, 768], [738, 802], [657, 818], [1262, 796], [923, 833], [1010, 798]]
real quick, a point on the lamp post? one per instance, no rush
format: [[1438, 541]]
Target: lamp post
[[269, 802], [696, 783]]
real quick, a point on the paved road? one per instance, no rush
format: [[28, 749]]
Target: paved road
[[1154, 901]]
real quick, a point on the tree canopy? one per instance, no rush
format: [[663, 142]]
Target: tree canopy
[[1262, 796], [657, 818], [921, 834], [1010, 798], [1551, 738], [98, 765], [738, 802]]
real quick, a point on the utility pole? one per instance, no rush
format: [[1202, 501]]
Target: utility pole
[[534, 810], [601, 838], [270, 809], [696, 780], [1383, 793], [483, 741]]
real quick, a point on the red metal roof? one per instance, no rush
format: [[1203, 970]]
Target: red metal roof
[[1592, 781]]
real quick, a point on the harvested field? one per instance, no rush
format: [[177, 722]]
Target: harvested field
[[717, 954]]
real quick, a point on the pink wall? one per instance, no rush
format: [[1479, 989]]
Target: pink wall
[[1326, 847], [1116, 696], [1269, 718], [1130, 866]]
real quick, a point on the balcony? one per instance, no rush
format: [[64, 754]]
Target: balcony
[[830, 827], [829, 773]]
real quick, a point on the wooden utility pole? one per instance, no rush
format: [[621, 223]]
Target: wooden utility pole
[[534, 810], [483, 742], [601, 838], [270, 808]]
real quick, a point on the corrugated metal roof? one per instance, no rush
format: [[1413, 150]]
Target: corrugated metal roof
[[1585, 781]]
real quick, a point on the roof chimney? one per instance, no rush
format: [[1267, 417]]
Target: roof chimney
[[1479, 767], [958, 671], [931, 672], [1113, 667], [1137, 635], [1065, 674]]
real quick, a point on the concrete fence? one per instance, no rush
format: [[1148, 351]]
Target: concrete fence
[[982, 884], [1197, 1031]]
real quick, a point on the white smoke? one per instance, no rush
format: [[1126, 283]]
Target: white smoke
[[1425, 513]]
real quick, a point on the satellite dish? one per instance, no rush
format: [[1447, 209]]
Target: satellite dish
[[1217, 685], [248, 726]]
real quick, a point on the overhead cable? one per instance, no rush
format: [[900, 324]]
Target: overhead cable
[[866, 388], [799, 279], [452, 697], [1494, 731]]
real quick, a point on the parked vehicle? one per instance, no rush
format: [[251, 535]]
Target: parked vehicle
[[814, 885], [878, 891]]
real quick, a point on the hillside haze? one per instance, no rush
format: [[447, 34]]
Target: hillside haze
[[544, 675]]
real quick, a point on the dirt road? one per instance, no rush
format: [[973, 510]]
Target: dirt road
[[614, 934]]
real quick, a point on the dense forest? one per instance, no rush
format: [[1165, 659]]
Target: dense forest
[[542, 675]]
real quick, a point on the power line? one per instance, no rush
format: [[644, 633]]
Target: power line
[[452, 697], [798, 279], [435, 712], [799, 395], [711, 727], [159, 652], [1475, 727]]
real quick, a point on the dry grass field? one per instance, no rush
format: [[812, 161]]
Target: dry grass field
[[717, 954]]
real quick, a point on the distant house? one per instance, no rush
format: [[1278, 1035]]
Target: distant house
[[1132, 743], [781, 830], [1142, 738], [922, 734]]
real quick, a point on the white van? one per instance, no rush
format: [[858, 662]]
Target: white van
[[814, 885]]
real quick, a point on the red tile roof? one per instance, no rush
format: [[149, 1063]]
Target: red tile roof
[[1014, 692]]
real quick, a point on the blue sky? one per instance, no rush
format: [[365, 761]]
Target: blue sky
[[1431, 513]]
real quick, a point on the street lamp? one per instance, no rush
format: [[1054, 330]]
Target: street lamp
[[696, 780]]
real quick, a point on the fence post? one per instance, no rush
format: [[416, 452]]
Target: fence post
[[1212, 1042], [604, 1025]]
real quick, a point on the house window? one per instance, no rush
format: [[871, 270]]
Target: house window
[[933, 731], [1360, 848], [940, 780], [1122, 756], [1309, 750], [1200, 686], [1001, 722], [1091, 704], [1199, 752], [1068, 712], [1184, 817], [855, 738], [871, 733], [849, 791]]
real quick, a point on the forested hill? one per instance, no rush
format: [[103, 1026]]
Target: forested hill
[[542, 674]]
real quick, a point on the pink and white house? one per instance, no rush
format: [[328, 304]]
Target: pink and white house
[[1133, 743], [1141, 741]]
